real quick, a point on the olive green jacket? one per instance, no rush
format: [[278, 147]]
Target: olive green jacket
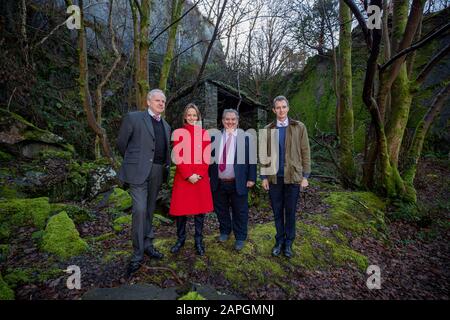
[[297, 157]]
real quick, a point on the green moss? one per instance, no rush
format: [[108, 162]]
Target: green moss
[[18, 277], [358, 212], [8, 193], [23, 212], [120, 200], [62, 238], [122, 221], [5, 292], [56, 154], [76, 213], [4, 156], [103, 237], [318, 250], [254, 266], [111, 256], [192, 295]]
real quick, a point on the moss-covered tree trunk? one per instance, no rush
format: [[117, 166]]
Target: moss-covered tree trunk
[[134, 15], [144, 42], [420, 133], [345, 109], [177, 6], [85, 95]]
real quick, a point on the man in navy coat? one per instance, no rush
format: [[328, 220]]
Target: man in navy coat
[[231, 177]]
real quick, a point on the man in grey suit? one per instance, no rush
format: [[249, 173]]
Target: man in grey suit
[[143, 142]]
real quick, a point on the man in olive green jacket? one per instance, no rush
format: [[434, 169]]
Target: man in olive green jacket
[[289, 168]]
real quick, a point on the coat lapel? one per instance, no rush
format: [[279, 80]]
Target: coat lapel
[[148, 123]]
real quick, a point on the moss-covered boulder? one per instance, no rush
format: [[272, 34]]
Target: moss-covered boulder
[[6, 293], [23, 212], [121, 222], [116, 200], [120, 200], [76, 213], [357, 212], [23, 138], [62, 238]]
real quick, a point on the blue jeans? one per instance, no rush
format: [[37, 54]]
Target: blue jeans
[[283, 198], [224, 198]]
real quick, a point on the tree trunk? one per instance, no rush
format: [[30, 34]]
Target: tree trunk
[[346, 137], [144, 42], [177, 6], [137, 96], [85, 95]]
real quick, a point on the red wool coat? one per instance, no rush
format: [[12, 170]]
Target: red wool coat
[[188, 198]]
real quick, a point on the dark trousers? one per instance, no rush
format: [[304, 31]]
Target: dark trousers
[[181, 227], [144, 203], [283, 198], [224, 198]]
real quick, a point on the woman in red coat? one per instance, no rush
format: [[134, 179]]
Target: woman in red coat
[[191, 192]]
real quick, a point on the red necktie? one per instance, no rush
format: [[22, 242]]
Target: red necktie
[[223, 165]]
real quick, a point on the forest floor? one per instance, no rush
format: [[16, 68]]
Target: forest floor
[[414, 257]]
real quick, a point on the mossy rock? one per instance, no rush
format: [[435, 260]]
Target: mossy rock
[[24, 138], [117, 201], [120, 200], [76, 213], [358, 212], [23, 212], [6, 293], [121, 222], [192, 295], [62, 238]]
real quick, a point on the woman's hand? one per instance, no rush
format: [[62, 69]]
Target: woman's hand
[[194, 178]]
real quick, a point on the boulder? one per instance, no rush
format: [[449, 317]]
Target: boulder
[[20, 137], [62, 238]]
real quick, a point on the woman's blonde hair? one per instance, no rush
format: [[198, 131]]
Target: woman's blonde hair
[[191, 106]]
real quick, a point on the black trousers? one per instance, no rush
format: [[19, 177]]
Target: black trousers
[[225, 198], [181, 227], [283, 198]]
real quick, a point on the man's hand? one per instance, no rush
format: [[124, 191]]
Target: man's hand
[[265, 184], [194, 178], [304, 183], [250, 184]]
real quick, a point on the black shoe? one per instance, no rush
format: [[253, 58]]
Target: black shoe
[[288, 251], [133, 267], [153, 253], [177, 246], [277, 250], [199, 248]]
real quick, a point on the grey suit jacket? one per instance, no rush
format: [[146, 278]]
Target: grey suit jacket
[[136, 143]]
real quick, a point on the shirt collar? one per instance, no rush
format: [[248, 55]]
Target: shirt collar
[[234, 133], [152, 113], [284, 123]]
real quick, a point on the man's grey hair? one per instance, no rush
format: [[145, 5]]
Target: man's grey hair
[[153, 92], [230, 111], [280, 98]]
